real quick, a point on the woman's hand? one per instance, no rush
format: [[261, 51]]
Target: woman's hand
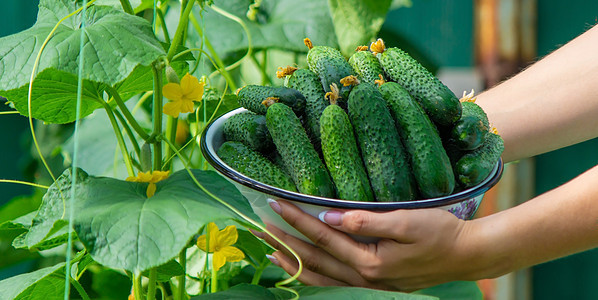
[[418, 249]]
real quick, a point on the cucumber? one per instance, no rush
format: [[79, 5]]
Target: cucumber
[[250, 129], [342, 157], [252, 164], [366, 66], [307, 170], [477, 164], [441, 105], [308, 83], [383, 154], [471, 130], [430, 163], [252, 98], [329, 63]]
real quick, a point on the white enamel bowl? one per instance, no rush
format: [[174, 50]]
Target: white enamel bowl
[[463, 204]]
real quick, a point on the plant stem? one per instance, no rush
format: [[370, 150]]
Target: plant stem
[[157, 115], [215, 57], [163, 25], [137, 288], [214, 281], [180, 31], [265, 78], [171, 127], [259, 271], [79, 288], [182, 293], [127, 7], [127, 114], [151, 288], [120, 139], [129, 132]]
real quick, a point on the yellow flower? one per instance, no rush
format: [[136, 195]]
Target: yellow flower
[[468, 97], [182, 95], [152, 178], [220, 244]]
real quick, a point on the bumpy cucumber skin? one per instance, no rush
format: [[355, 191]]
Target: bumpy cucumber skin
[[366, 66], [307, 170], [250, 129], [473, 167], [430, 163], [252, 164], [342, 156], [439, 102], [383, 154], [309, 84], [252, 96], [470, 131], [330, 65]]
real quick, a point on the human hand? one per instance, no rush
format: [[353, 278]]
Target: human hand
[[418, 249]]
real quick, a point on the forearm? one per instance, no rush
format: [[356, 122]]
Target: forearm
[[558, 223], [549, 105]]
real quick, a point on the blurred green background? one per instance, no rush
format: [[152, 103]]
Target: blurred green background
[[442, 32]]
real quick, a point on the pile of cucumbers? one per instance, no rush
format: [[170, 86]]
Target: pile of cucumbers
[[375, 127]]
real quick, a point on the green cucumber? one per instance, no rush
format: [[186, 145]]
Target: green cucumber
[[439, 102], [471, 130], [430, 163], [307, 170], [250, 129], [474, 166], [330, 65], [342, 157], [252, 98], [308, 83], [366, 66], [383, 154], [252, 164]]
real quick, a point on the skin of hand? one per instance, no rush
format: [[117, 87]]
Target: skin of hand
[[550, 105]]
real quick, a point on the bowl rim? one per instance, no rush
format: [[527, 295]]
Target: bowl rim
[[209, 153]]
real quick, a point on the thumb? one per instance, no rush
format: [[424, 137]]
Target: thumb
[[400, 225]]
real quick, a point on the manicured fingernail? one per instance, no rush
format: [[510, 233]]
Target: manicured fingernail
[[259, 234], [275, 206], [331, 217], [273, 259]]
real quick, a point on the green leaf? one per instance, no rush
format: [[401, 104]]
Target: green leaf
[[357, 22], [242, 291], [248, 291], [54, 97], [167, 271], [123, 229], [115, 43], [141, 79], [111, 284], [254, 249], [280, 24], [348, 293], [43, 284], [455, 290], [19, 206]]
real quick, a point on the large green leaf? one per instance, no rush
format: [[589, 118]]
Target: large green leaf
[[123, 229], [279, 24], [455, 290], [43, 284], [115, 43], [248, 291], [357, 22], [54, 97]]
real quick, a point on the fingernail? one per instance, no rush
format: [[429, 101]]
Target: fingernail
[[275, 206], [259, 234], [273, 259], [331, 217]]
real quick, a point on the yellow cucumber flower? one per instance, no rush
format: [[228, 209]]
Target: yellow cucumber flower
[[220, 245], [182, 95], [152, 178]]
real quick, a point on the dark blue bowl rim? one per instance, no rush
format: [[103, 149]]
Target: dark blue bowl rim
[[275, 192]]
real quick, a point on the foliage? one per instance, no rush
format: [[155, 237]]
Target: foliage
[[99, 70]]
